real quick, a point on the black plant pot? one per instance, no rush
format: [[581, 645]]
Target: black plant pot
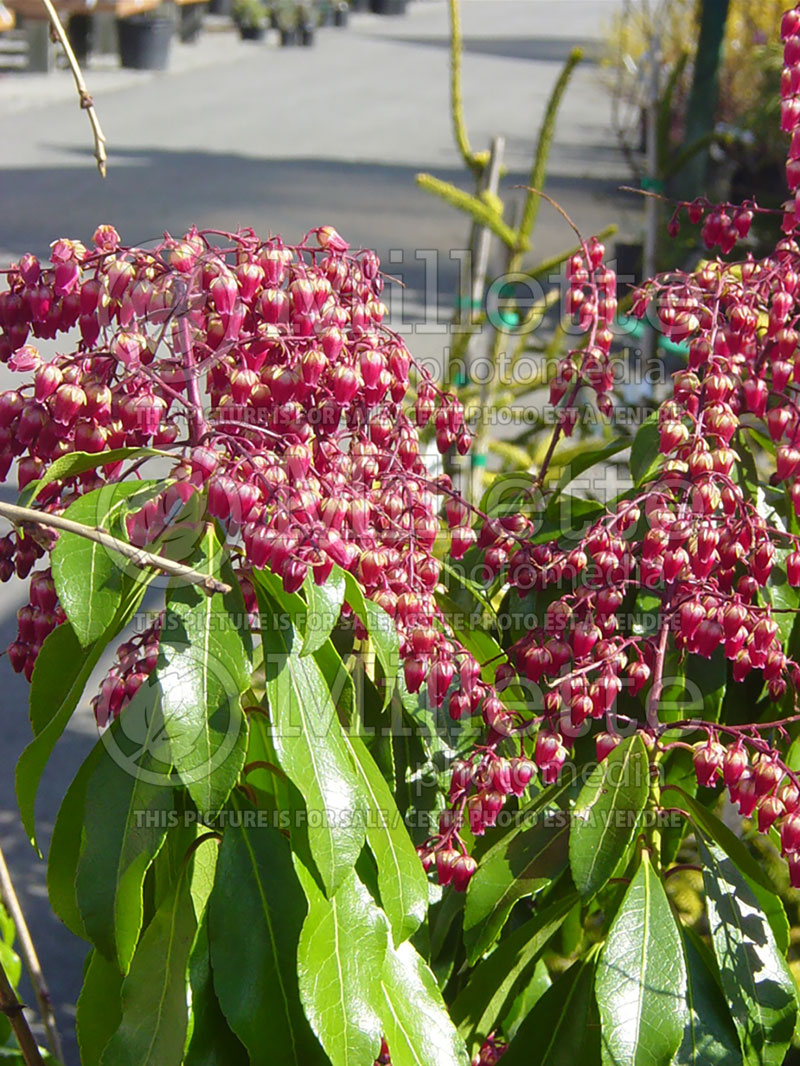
[[220, 7], [340, 15], [388, 7], [144, 42], [79, 32], [307, 36], [359, 5], [252, 33], [288, 38]]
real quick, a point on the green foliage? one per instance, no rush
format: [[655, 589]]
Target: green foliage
[[236, 848], [242, 847]]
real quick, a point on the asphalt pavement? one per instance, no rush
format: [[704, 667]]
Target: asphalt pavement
[[238, 133]]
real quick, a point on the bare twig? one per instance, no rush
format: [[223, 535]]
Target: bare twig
[[30, 958], [23, 515], [559, 208], [13, 1010], [84, 96]]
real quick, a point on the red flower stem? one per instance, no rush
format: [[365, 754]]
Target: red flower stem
[[654, 697]]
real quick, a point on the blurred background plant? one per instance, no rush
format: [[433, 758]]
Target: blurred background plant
[[716, 84], [250, 16], [510, 335]]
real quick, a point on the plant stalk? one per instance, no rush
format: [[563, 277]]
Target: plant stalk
[[14, 1011], [22, 515], [30, 958]]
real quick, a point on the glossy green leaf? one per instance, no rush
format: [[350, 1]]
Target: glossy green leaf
[[532, 991], [204, 871], [773, 908], [62, 666], [339, 963], [694, 686], [716, 829], [65, 847], [709, 1038], [211, 1043], [89, 578], [641, 978], [676, 769], [129, 801], [784, 598], [203, 667], [152, 1031], [65, 668], [75, 463], [415, 1022], [324, 607], [755, 977], [524, 863], [311, 748], [99, 1011], [479, 643], [402, 882], [382, 630], [606, 816], [11, 962], [585, 459], [562, 1029], [496, 981], [645, 456], [256, 912]]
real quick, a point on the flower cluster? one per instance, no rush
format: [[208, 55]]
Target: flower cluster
[[136, 660], [697, 543], [35, 621], [268, 376]]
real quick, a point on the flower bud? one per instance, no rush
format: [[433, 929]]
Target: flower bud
[[463, 869]]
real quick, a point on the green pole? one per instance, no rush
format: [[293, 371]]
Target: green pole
[[702, 106]]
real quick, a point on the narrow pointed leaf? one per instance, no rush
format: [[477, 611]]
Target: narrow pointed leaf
[[402, 882], [99, 1010], [529, 861], [645, 456], [89, 578], [212, 1043], [64, 670], [339, 961], [532, 991], [382, 631], [641, 978], [256, 913], [496, 981], [65, 847], [311, 748], [584, 460], [709, 1038], [415, 1022], [563, 1028], [128, 804], [202, 670], [716, 829], [607, 813], [324, 607], [152, 1031], [77, 463], [755, 977]]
